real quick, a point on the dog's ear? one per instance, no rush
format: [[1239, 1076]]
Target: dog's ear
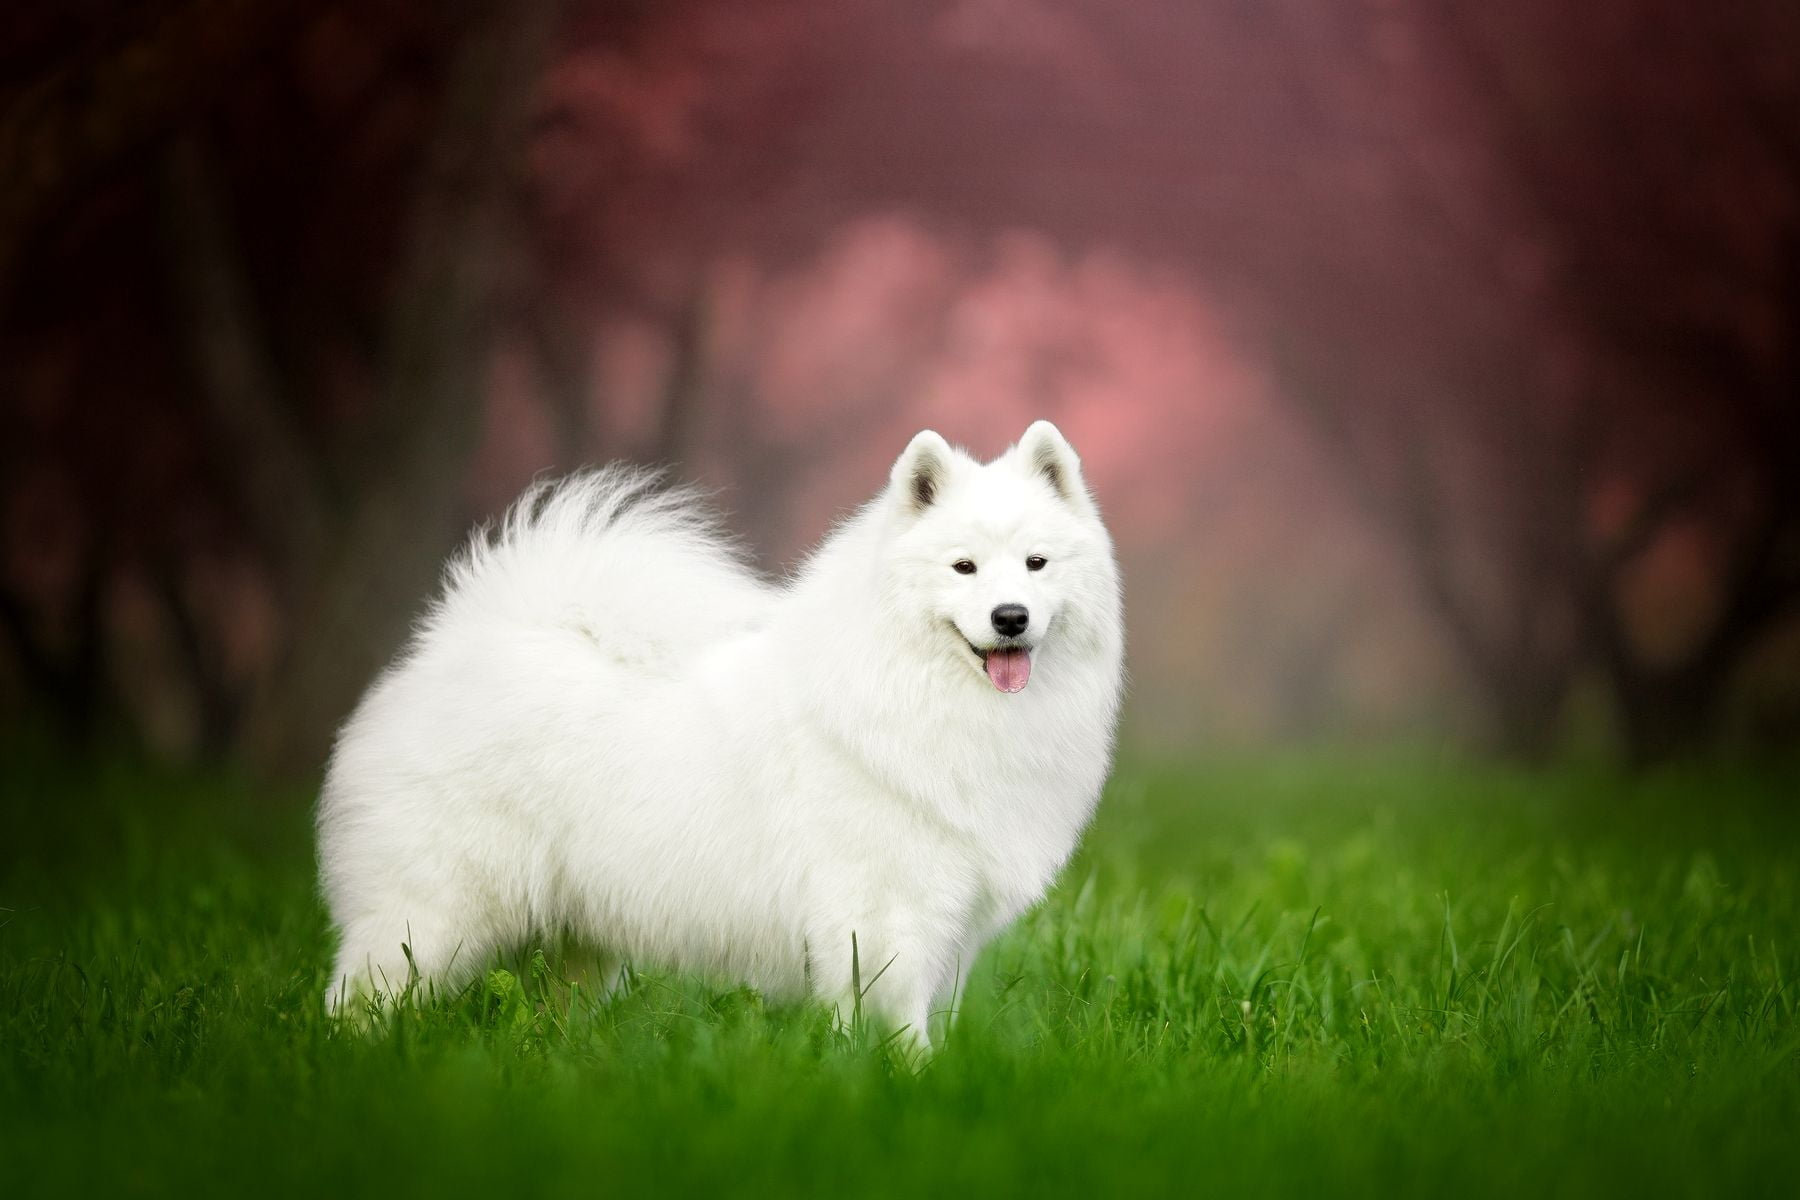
[[1046, 453], [921, 471]]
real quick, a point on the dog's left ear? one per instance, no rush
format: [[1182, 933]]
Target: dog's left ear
[[1045, 452]]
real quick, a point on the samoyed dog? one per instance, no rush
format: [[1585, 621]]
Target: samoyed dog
[[609, 729]]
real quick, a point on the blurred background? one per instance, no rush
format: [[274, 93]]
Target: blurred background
[[1437, 364]]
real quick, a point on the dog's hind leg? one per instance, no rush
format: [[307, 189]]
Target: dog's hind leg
[[387, 957], [947, 997], [879, 980], [589, 972]]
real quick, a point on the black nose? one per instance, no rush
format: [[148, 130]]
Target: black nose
[[1011, 619]]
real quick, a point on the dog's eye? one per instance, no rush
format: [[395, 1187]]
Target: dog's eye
[[1035, 562], [963, 566]]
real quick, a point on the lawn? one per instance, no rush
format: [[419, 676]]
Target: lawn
[[1294, 976]]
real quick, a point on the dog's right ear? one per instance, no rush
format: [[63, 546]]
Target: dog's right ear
[[921, 471]]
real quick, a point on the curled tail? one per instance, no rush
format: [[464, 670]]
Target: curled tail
[[611, 554]]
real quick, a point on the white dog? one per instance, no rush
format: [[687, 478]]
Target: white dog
[[609, 728]]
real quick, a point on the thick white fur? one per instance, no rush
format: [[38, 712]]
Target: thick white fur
[[608, 727]]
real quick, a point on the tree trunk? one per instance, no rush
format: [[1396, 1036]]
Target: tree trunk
[[70, 678], [407, 515], [1669, 716], [1527, 714], [563, 369], [671, 442], [218, 702]]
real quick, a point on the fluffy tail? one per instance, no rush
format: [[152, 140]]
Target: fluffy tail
[[611, 554]]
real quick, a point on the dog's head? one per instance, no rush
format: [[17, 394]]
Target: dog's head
[[1000, 561]]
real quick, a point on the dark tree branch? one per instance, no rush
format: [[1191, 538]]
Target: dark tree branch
[[80, 119], [258, 442], [219, 701]]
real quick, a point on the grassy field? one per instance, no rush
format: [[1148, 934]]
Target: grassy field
[[1293, 977]]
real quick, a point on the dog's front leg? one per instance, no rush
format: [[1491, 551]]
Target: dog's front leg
[[881, 980]]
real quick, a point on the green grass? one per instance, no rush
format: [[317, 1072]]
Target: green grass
[[1290, 977]]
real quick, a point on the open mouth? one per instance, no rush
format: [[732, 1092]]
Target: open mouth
[[1008, 666]]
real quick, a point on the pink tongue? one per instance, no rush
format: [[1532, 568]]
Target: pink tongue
[[1009, 669]]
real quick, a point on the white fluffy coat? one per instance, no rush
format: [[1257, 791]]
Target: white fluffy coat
[[608, 727]]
